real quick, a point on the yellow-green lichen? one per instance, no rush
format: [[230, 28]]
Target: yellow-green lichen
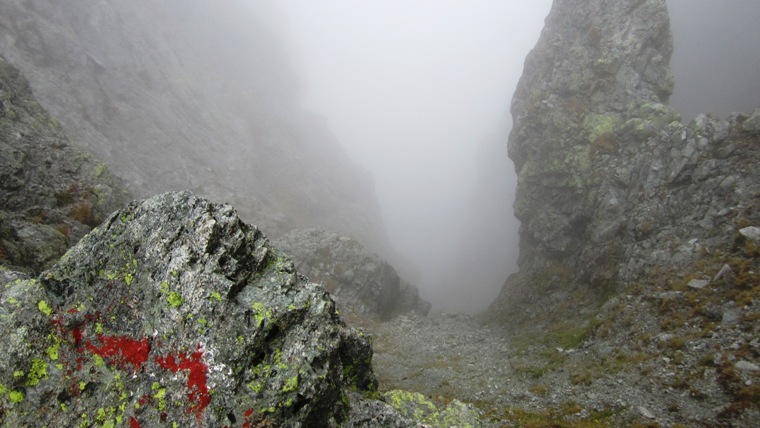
[[260, 313], [413, 405], [44, 308], [100, 168], [16, 396], [291, 384], [216, 296], [174, 299], [256, 386], [37, 372], [598, 125]]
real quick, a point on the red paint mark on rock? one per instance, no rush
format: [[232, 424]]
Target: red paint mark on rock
[[247, 421], [122, 351], [133, 422], [196, 378]]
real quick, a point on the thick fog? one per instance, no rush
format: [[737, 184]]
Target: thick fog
[[418, 92], [716, 58]]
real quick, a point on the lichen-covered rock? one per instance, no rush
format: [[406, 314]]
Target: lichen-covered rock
[[361, 283], [51, 193], [175, 312], [612, 186], [416, 407], [594, 67]]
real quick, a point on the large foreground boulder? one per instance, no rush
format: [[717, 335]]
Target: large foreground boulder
[[173, 312], [361, 282]]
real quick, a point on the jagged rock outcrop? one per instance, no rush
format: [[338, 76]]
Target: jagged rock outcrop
[[594, 67], [611, 183], [191, 94], [51, 192], [637, 240], [174, 311], [361, 283]]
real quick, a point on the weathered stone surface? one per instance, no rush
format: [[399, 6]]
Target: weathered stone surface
[[51, 193], [174, 311], [751, 232], [752, 124], [361, 282], [416, 407], [147, 89], [612, 187], [626, 212]]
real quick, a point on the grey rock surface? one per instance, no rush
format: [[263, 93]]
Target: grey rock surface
[[174, 311], [191, 94], [612, 186], [362, 283], [625, 214], [51, 192]]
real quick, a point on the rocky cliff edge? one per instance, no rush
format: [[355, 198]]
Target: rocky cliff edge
[[639, 243]]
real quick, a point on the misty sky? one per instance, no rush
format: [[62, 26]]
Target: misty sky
[[716, 60], [414, 89]]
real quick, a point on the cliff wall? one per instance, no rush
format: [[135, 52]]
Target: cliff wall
[[612, 187], [190, 95]]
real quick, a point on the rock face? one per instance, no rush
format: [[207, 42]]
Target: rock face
[[361, 282], [190, 94], [174, 311], [638, 240], [593, 68], [51, 193], [611, 185]]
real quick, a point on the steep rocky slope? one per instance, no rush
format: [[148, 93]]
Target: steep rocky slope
[[174, 312], [362, 284], [51, 192], [611, 185], [190, 94], [624, 206]]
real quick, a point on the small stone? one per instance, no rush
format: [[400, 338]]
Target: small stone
[[752, 233], [645, 412], [752, 124], [723, 272], [698, 283], [746, 366], [730, 316]]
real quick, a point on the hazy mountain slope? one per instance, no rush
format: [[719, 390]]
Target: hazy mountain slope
[[51, 192], [190, 94]]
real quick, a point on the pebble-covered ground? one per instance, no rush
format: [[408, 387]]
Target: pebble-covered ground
[[609, 378]]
